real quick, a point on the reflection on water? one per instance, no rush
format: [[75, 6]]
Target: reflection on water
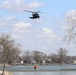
[[46, 73]]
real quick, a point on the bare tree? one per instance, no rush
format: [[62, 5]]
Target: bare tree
[[70, 21], [53, 57], [27, 56], [8, 49], [62, 52], [38, 55]]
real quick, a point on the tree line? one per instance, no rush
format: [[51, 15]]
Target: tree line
[[10, 51]]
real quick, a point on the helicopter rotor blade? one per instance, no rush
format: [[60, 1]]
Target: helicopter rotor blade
[[39, 11], [32, 11], [28, 11]]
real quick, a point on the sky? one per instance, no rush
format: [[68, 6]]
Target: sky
[[45, 34]]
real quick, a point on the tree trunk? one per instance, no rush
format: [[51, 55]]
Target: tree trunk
[[3, 69]]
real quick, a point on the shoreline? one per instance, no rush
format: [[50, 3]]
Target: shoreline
[[6, 73]]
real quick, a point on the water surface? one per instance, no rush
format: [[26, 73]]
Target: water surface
[[42, 70], [46, 73]]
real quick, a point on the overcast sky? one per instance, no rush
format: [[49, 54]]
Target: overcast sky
[[45, 34]]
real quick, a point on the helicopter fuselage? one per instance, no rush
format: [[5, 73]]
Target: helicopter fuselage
[[35, 16]]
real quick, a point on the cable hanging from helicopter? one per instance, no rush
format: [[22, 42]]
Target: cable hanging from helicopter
[[35, 15]]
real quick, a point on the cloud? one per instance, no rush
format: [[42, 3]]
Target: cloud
[[49, 33], [12, 18], [17, 26], [66, 27], [24, 33], [71, 13], [22, 27], [15, 36], [19, 5], [13, 24], [12, 4], [71, 16], [69, 22], [34, 5], [22, 24], [5, 4], [8, 21]]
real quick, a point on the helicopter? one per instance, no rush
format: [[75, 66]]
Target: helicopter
[[35, 15]]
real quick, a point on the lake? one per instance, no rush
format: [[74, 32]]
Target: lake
[[47, 73], [43, 70]]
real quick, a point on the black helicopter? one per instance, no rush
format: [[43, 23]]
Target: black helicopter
[[35, 15]]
